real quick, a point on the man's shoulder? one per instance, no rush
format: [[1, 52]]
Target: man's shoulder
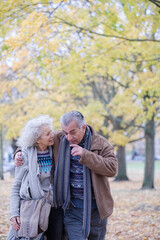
[[58, 134], [100, 138], [99, 141], [96, 135]]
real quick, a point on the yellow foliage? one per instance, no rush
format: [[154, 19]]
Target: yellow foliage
[[56, 66], [93, 113], [118, 138]]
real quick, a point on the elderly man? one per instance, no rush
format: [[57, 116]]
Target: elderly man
[[81, 187], [84, 161]]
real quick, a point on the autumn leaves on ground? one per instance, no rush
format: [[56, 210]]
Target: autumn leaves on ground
[[136, 214]]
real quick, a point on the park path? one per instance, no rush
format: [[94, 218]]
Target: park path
[[136, 214]]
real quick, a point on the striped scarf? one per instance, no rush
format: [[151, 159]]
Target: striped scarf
[[62, 181]]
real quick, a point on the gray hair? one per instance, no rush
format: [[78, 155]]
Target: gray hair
[[76, 116], [33, 130]]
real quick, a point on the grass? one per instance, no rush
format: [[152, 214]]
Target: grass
[[135, 172], [140, 165]]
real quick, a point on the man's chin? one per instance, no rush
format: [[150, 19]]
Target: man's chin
[[73, 142]]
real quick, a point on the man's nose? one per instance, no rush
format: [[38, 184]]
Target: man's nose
[[69, 137]]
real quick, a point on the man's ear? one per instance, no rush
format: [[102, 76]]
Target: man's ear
[[84, 127]]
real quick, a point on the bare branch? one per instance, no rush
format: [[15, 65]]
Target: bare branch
[[136, 140], [105, 35], [157, 3], [133, 61]]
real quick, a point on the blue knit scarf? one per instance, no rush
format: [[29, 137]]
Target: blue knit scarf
[[62, 181]]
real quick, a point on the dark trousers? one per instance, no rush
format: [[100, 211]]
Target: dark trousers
[[55, 227], [73, 221]]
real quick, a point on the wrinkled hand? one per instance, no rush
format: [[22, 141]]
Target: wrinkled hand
[[18, 159], [15, 221], [77, 150]]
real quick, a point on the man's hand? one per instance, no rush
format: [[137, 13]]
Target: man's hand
[[77, 150], [15, 221], [18, 159]]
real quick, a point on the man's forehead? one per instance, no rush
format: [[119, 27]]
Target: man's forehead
[[70, 127]]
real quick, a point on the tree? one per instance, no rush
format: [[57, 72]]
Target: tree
[[90, 55], [1, 153], [148, 181]]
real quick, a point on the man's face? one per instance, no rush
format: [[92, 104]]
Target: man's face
[[73, 133]]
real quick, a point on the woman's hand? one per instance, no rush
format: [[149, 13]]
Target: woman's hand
[[15, 221]]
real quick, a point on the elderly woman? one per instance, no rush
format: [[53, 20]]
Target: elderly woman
[[33, 178]]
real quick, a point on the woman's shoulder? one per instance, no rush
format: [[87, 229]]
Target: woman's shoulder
[[26, 152]]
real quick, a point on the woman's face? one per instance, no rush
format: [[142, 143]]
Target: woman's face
[[47, 136]]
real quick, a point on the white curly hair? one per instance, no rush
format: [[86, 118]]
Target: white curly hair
[[33, 130]]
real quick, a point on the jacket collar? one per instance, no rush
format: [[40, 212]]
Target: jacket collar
[[96, 143]]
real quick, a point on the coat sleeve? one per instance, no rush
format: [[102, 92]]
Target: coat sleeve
[[20, 172], [102, 161], [17, 150]]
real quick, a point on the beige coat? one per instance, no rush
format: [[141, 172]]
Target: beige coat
[[102, 162]]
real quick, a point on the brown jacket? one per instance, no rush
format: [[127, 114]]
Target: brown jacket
[[102, 162]]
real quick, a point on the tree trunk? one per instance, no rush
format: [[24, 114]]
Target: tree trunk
[[122, 175], [1, 153], [148, 182]]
